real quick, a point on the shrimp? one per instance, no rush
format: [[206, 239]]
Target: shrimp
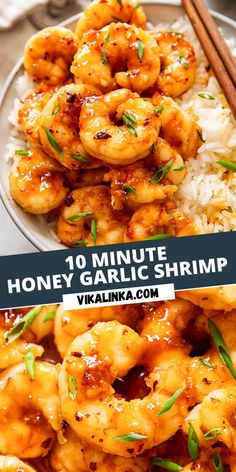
[[178, 127], [89, 403], [205, 463], [37, 182], [147, 221], [29, 410], [100, 13], [86, 177], [76, 455], [119, 128], [178, 63], [219, 298], [48, 55], [69, 324], [118, 55], [30, 111], [13, 464], [59, 126], [87, 218]]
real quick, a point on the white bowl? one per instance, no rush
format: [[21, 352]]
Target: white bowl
[[32, 227]]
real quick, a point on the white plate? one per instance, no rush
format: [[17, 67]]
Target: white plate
[[31, 226]]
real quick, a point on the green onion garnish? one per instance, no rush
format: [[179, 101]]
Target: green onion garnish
[[130, 189], [137, 6], [227, 164], [77, 157], [165, 464], [56, 109], [120, 3], [106, 37], [161, 173], [20, 326], [206, 96], [30, 364], [178, 168], [193, 444], [176, 33], [104, 58], [157, 236], [140, 49], [130, 437], [129, 121], [116, 18], [158, 110], [153, 149], [50, 315], [221, 347], [217, 462], [53, 142], [79, 243], [168, 405], [212, 433], [85, 214], [200, 135], [21, 152], [207, 363], [183, 61], [72, 387], [94, 231]]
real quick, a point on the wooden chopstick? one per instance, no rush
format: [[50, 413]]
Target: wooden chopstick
[[218, 66]]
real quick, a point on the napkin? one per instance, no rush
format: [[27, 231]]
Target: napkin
[[13, 10]]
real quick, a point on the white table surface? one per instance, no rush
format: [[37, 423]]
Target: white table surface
[[11, 46]]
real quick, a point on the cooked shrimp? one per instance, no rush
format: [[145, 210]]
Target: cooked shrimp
[[59, 126], [183, 225], [219, 298], [101, 135], [13, 464], [148, 220], [117, 55], [69, 324], [206, 461], [29, 113], [87, 218], [76, 455], [178, 63], [178, 127], [44, 323], [29, 410], [86, 177], [100, 13], [49, 53], [37, 182], [89, 403]]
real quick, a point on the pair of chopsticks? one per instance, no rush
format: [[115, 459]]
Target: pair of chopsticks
[[216, 50]]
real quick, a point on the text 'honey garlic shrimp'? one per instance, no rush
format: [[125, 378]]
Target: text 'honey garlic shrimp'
[[91, 407], [117, 55], [178, 63], [29, 410], [37, 182], [13, 464], [49, 53], [59, 126], [87, 218], [119, 128], [100, 13], [71, 323]]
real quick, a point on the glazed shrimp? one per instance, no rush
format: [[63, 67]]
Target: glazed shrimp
[[178, 63], [37, 182], [13, 464], [69, 324], [119, 128], [148, 220], [29, 410], [49, 53], [219, 298], [94, 206], [178, 127], [205, 462], [89, 404], [76, 455], [118, 55], [29, 113], [99, 13], [86, 177], [59, 126]]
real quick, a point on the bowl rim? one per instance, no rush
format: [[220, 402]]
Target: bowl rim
[[32, 238]]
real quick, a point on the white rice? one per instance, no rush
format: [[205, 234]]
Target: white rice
[[208, 191]]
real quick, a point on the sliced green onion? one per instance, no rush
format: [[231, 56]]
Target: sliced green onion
[[72, 387], [158, 110], [200, 135], [157, 236], [217, 462], [153, 149], [79, 243], [137, 6], [165, 464], [21, 152], [50, 315], [120, 3], [206, 96], [30, 364], [130, 437], [129, 121], [56, 109], [116, 18], [161, 173], [168, 405], [212, 433], [130, 189], [183, 61], [94, 231], [193, 444], [221, 347], [140, 49], [19, 328], [106, 37], [77, 157], [207, 363], [85, 214], [178, 168], [53, 142], [104, 58], [227, 164], [176, 33]]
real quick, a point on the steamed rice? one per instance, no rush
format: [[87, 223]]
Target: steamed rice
[[208, 191]]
